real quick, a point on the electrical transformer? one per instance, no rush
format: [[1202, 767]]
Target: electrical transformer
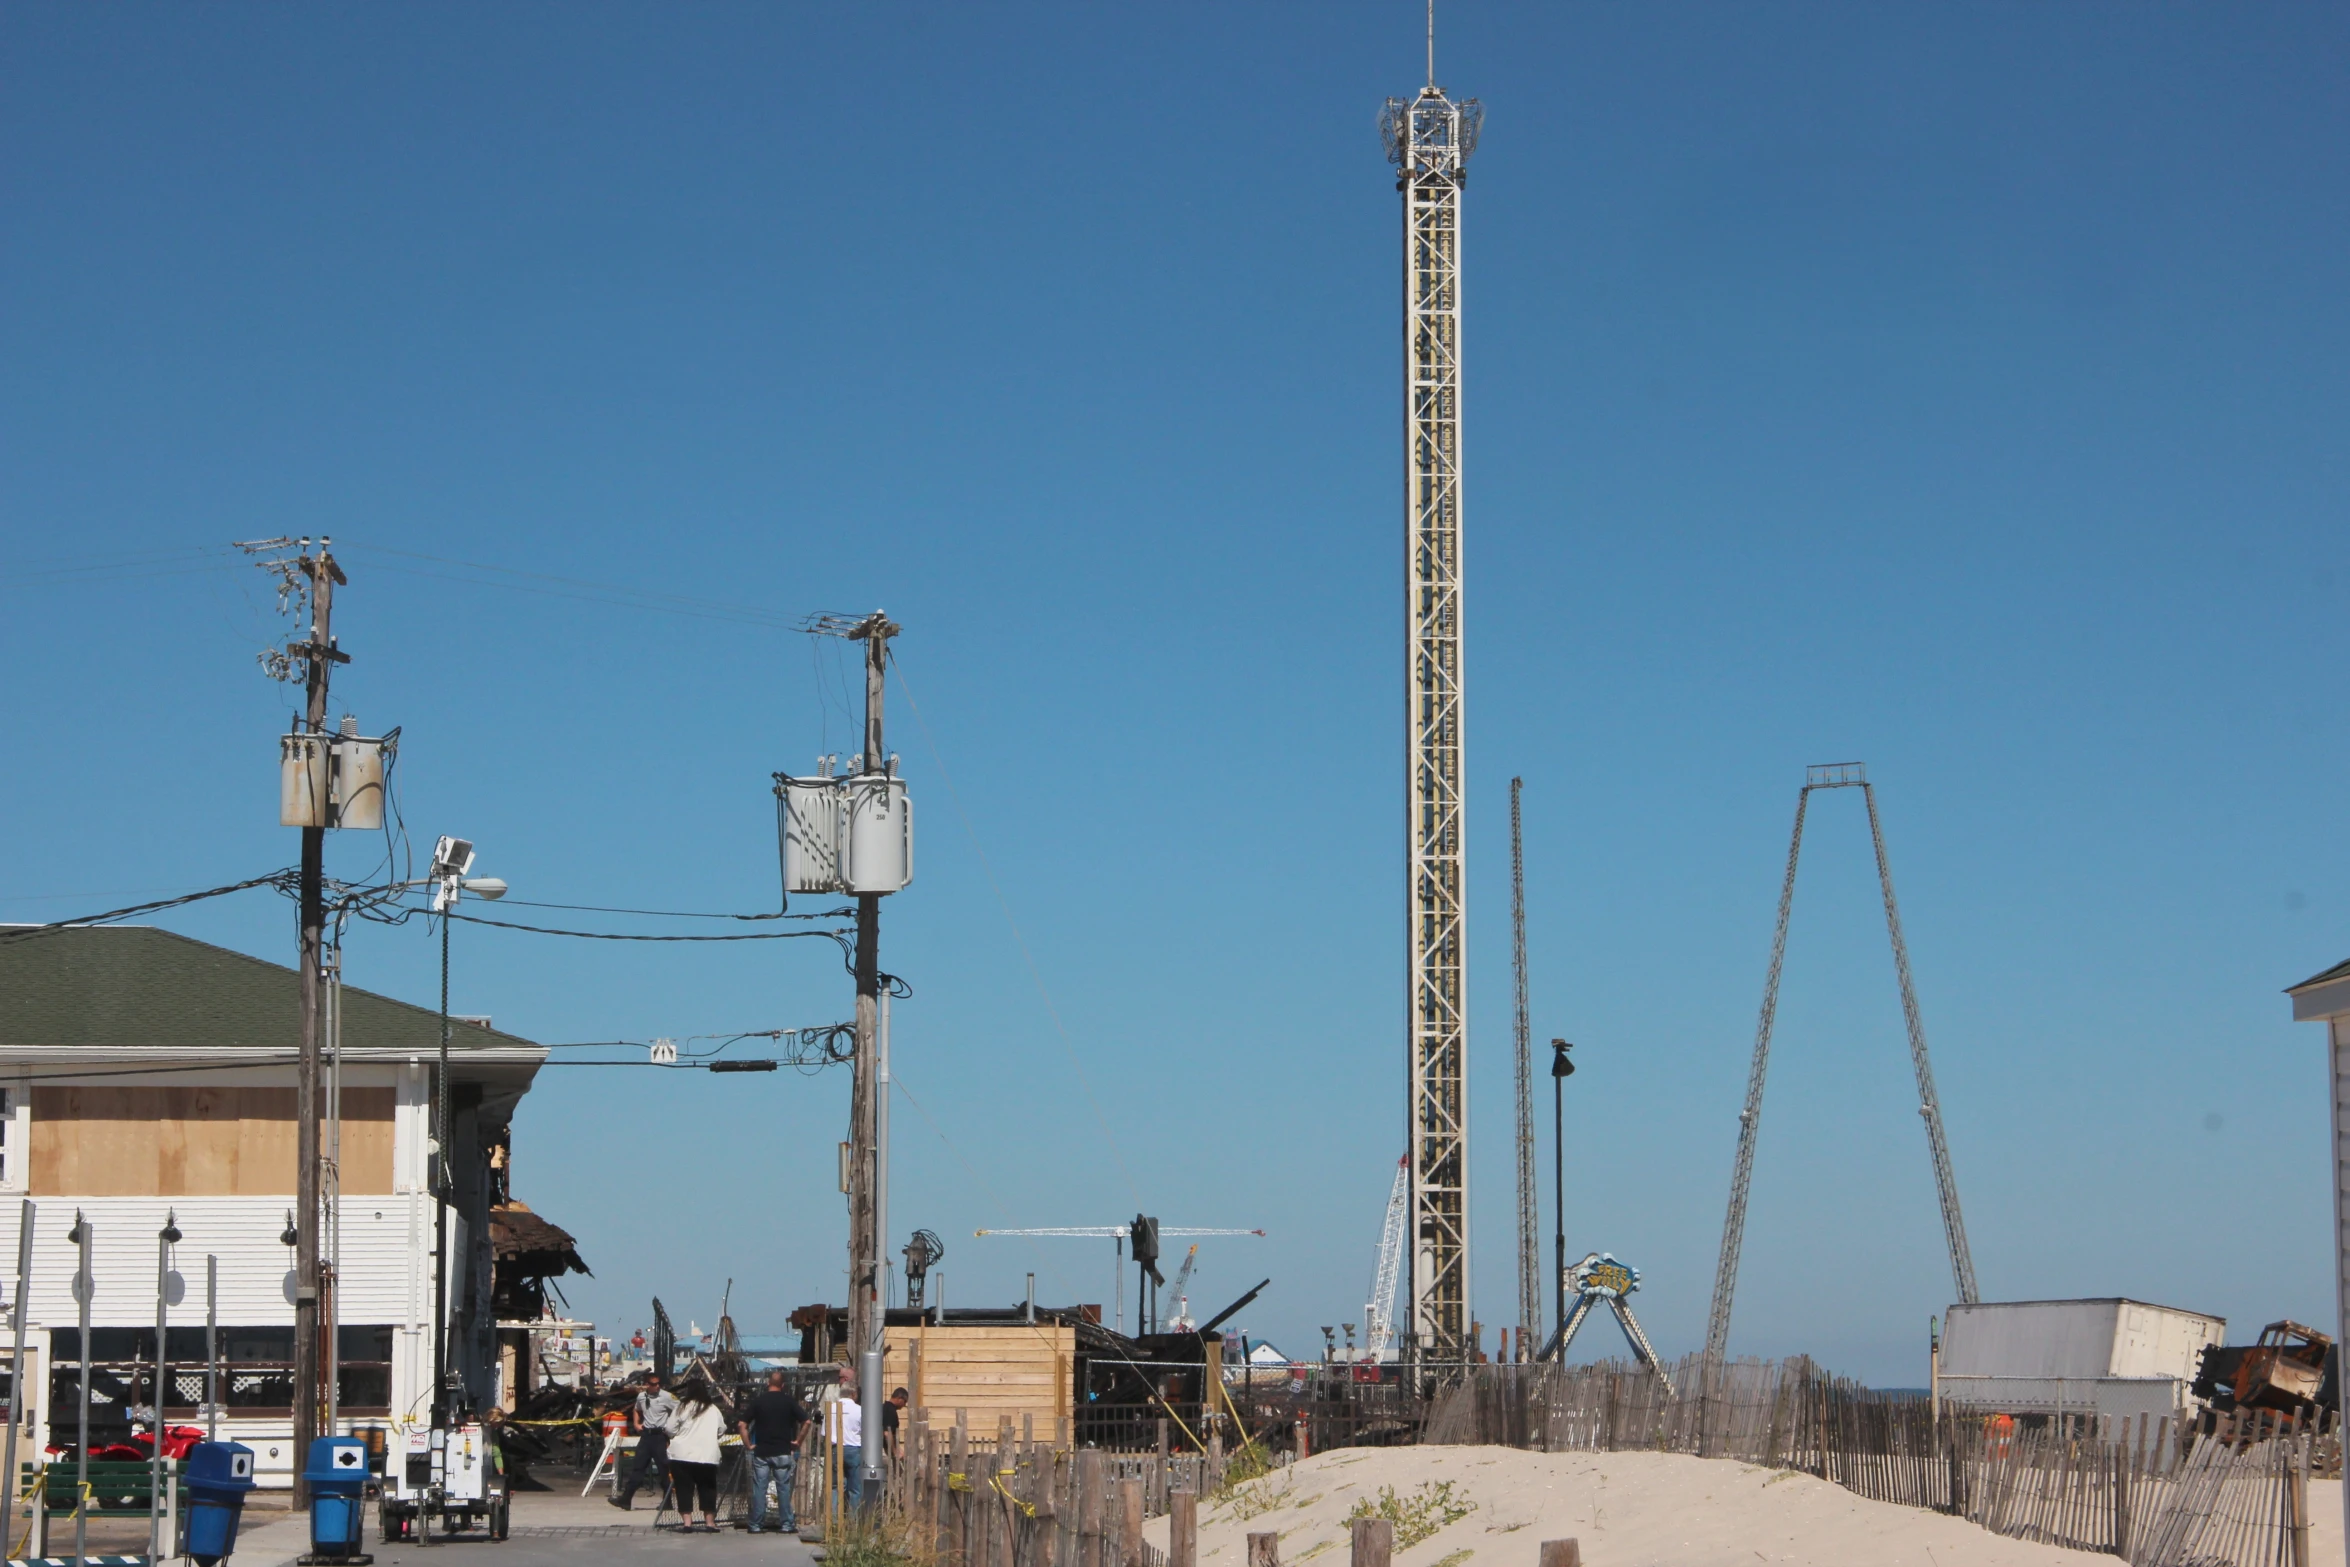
[[331, 780], [852, 834]]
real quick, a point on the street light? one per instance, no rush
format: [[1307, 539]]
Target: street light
[[165, 1238], [451, 859], [1560, 1070]]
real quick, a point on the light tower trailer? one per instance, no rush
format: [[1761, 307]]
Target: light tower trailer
[[451, 1475]]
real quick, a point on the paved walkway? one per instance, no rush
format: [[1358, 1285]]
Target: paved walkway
[[557, 1526]]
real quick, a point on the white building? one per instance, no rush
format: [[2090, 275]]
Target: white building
[[2104, 1357], [2325, 998], [145, 1074]]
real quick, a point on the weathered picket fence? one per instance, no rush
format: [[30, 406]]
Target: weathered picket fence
[[2207, 1492], [1019, 1501]]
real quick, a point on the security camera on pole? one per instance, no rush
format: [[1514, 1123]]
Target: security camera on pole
[[852, 831], [450, 879]]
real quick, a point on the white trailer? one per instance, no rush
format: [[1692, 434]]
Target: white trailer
[[2093, 1357]]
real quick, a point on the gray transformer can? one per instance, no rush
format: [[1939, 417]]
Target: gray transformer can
[[852, 834]]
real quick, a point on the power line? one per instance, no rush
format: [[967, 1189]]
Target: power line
[[278, 879], [675, 914], [600, 935], [584, 589], [1034, 974]]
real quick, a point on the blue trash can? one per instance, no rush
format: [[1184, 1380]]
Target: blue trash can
[[337, 1478], [219, 1475]]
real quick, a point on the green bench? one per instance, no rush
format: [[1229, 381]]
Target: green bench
[[119, 1488]]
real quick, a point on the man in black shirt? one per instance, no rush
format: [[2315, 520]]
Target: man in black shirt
[[771, 1429]]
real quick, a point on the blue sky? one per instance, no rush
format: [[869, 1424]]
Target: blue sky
[[1957, 390]]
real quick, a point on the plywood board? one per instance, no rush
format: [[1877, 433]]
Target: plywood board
[[986, 1371], [112, 1141]]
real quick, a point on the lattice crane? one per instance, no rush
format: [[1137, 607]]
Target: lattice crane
[[1834, 775], [1146, 1251], [1379, 1310]]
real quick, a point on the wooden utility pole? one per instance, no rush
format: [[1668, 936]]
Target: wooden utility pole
[[866, 1189], [319, 657]]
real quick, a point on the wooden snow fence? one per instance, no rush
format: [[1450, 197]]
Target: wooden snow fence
[[1014, 1498], [2227, 1491]]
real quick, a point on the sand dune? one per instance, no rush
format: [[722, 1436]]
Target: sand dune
[[1626, 1509]]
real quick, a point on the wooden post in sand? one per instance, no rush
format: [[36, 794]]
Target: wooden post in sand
[[1089, 1509], [1264, 1550], [1182, 1529], [1561, 1553], [1130, 1523], [1373, 1543]]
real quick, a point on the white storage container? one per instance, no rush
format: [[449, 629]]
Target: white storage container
[[2108, 1356]]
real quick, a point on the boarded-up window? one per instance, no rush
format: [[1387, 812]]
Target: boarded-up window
[[103, 1141]]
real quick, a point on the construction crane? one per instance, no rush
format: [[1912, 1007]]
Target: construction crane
[[1429, 139], [1145, 1232], [1834, 775], [1529, 1205], [1181, 1322], [1379, 1310]]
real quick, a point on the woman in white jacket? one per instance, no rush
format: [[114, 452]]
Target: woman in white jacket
[[693, 1455]]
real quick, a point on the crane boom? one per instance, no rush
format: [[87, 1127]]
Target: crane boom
[[1379, 1311], [1112, 1231], [1835, 775]]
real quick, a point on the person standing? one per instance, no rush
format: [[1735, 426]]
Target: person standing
[[771, 1429], [654, 1417], [694, 1453], [893, 1437], [848, 1430]]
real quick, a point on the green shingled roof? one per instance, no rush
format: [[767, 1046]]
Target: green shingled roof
[[134, 985]]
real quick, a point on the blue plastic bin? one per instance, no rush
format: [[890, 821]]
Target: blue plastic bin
[[219, 1476], [337, 1478]]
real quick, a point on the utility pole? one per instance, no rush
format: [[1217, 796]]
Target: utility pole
[[867, 1306], [1529, 1205], [319, 657]]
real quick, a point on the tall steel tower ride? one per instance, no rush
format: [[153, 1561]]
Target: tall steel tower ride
[[1429, 139]]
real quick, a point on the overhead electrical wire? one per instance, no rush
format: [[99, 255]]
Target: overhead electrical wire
[[676, 914], [28, 932], [1068, 1046], [579, 588], [600, 935]]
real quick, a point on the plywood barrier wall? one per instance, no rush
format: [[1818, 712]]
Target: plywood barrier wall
[[988, 1371], [102, 1141]]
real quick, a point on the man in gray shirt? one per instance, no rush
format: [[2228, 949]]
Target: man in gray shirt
[[655, 1420]]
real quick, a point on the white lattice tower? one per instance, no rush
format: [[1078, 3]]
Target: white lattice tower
[[1429, 139]]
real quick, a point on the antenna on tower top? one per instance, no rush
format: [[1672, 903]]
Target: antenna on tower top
[[1431, 43]]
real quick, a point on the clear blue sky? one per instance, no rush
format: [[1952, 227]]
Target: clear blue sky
[[1961, 390]]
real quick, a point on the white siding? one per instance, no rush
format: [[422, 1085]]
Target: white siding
[[378, 1262]]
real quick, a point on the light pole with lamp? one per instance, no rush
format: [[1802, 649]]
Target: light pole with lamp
[[165, 1239], [1560, 1070], [452, 858]]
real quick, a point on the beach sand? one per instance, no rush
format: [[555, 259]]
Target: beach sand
[[1626, 1510]]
